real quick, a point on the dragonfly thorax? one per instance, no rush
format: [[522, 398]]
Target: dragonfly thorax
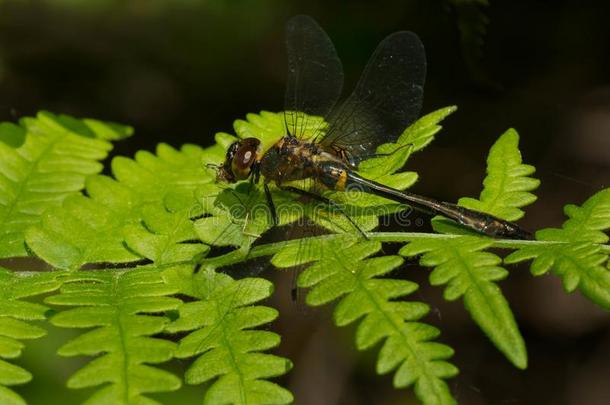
[[292, 159]]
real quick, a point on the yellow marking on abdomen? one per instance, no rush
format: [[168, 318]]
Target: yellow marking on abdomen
[[340, 185]]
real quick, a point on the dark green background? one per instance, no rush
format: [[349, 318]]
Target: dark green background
[[179, 71]]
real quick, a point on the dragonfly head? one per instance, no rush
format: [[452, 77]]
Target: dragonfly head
[[241, 155]]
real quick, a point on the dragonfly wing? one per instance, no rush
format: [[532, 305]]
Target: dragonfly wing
[[387, 99], [315, 76]]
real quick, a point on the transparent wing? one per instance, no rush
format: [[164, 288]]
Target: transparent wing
[[315, 76], [387, 99]]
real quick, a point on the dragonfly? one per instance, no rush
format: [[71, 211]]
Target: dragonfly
[[386, 100]]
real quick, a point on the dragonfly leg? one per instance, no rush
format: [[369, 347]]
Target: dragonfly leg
[[255, 175], [251, 184], [243, 229], [326, 201], [271, 205]]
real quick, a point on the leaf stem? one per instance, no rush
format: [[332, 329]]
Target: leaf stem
[[269, 249]]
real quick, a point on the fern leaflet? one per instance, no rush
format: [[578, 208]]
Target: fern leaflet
[[164, 237], [462, 265], [266, 126], [11, 134], [507, 185], [342, 268], [14, 314], [506, 188], [467, 271], [91, 229], [119, 305], [57, 155], [578, 259], [229, 350]]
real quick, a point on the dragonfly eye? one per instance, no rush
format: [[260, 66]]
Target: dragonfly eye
[[244, 158], [224, 173]]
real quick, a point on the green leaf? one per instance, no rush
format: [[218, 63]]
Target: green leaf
[[239, 216], [507, 185], [11, 134], [123, 307], [164, 237], [467, 271], [233, 217], [229, 350], [83, 231], [393, 156], [92, 229], [579, 260], [342, 268], [15, 313], [461, 263], [153, 176], [90, 128], [51, 164], [585, 224], [268, 127], [506, 189], [7, 396]]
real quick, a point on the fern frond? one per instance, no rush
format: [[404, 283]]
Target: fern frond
[[91, 229], [266, 126], [508, 183], [342, 268], [229, 350], [506, 188], [57, 155], [579, 260], [233, 217], [122, 306], [469, 272], [164, 237], [84, 230], [585, 224], [461, 263], [393, 156], [11, 134], [15, 313], [152, 176]]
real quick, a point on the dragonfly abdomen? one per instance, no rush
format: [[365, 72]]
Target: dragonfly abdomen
[[332, 176], [476, 220]]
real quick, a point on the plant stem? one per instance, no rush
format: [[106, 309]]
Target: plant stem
[[269, 249]]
